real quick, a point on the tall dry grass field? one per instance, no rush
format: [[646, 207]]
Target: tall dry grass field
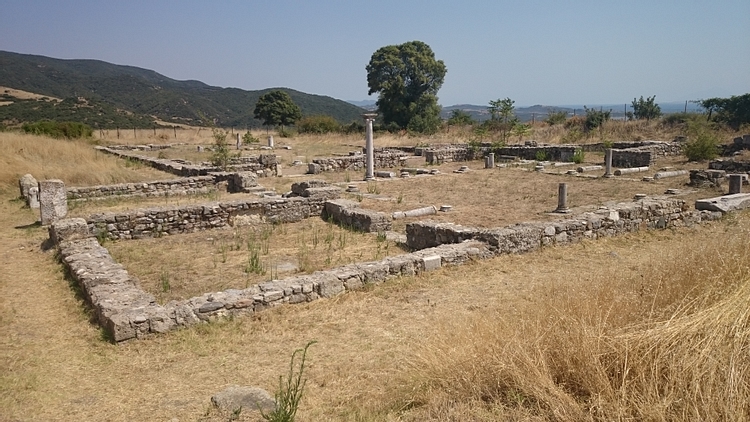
[[75, 162], [668, 341]]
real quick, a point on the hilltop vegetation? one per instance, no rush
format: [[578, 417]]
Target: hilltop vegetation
[[107, 95]]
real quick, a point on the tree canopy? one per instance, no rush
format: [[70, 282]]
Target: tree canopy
[[407, 78], [646, 109], [734, 111], [276, 108]]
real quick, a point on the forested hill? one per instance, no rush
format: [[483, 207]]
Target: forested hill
[[107, 95]]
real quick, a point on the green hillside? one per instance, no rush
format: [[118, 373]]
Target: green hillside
[[107, 95]]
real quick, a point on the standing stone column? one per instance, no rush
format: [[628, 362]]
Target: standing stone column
[[270, 141], [53, 201], [562, 198], [239, 144], [735, 183], [491, 160], [608, 162], [369, 147]]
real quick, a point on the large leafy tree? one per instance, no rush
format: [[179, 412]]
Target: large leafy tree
[[276, 108], [407, 78], [734, 111]]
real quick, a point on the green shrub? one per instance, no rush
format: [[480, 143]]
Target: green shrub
[[572, 136], [702, 146], [249, 139], [556, 117], [595, 118], [69, 130], [221, 154], [541, 155], [286, 133], [354, 127], [318, 125], [579, 155]]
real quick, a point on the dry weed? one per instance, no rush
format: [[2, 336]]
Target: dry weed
[[668, 342]]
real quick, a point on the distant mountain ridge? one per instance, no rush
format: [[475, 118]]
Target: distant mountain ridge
[[107, 95]]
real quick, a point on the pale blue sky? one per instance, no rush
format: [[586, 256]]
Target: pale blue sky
[[549, 52]]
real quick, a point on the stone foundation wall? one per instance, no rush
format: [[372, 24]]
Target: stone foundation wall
[[260, 165], [383, 159], [632, 158], [185, 186], [622, 218], [127, 312], [658, 147], [527, 152], [158, 221], [349, 214], [730, 166]]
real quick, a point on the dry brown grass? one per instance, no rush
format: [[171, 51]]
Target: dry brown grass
[[25, 95], [541, 336], [183, 266], [666, 343], [74, 162]]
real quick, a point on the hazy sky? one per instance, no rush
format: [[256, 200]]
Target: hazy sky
[[550, 52]]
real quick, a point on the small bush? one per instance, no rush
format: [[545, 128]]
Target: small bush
[[556, 117], [318, 125], [68, 130], [541, 155], [595, 118], [249, 139], [354, 127], [579, 155], [286, 133], [221, 154], [702, 146]]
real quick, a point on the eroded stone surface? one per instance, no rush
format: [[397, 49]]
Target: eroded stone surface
[[53, 201]]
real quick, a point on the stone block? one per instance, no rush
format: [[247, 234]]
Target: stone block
[[69, 229], [25, 183], [33, 199], [241, 181], [431, 263], [52, 200], [724, 204]]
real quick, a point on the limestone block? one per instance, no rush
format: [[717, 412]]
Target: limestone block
[[313, 168], [241, 181], [53, 201], [431, 263], [246, 398], [25, 183], [69, 229], [724, 204], [33, 199]]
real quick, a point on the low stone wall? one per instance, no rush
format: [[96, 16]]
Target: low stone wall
[[383, 159], [349, 214], [264, 165], [659, 147], [730, 166], [185, 186], [127, 312], [158, 221], [632, 158], [528, 152], [625, 217]]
